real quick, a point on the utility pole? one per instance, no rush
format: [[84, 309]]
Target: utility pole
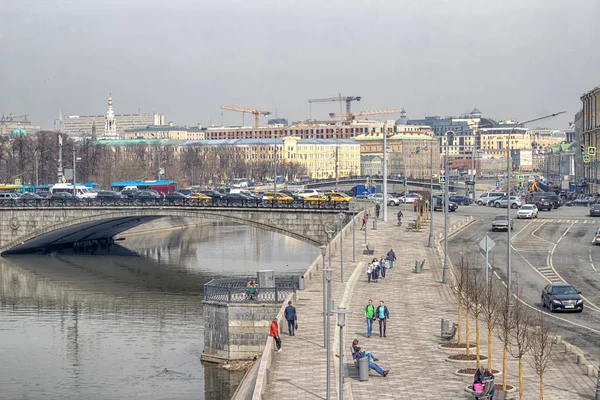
[[60, 163], [74, 174], [275, 174], [431, 203], [473, 172], [385, 173]]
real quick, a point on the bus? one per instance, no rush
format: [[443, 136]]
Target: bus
[[93, 186], [80, 191], [11, 188], [162, 186]]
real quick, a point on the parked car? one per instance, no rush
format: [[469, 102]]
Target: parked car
[[543, 203], [30, 196], [485, 198], [109, 195], [596, 239], [44, 194], [595, 210], [501, 222], [9, 197], [146, 194], [515, 202], [390, 200], [461, 200], [238, 199], [527, 211], [410, 198], [562, 296], [64, 196]]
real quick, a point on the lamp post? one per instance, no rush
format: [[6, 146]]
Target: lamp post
[[446, 270], [385, 173], [353, 238], [328, 272], [341, 217], [431, 204], [341, 322], [323, 252], [508, 172]]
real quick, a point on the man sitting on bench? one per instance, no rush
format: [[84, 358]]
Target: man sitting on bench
[[357, 354]]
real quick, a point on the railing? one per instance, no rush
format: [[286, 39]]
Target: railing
[[234, 290], [215, 203]]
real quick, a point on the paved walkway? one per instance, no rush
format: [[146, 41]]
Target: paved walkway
[[416, 303]]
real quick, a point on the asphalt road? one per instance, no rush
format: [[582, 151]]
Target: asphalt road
[[556, 247]]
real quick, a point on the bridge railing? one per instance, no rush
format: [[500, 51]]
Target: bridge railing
[[75, 202], [235, 290]]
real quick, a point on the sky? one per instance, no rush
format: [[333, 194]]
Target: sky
[[513, 59]]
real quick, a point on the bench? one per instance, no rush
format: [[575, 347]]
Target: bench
[[369, 249], [487, 389], [412, 226], [449, 335]]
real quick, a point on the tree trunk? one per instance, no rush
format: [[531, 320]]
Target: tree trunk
[[468, 330], [541, 386], [520, 378], [489, 360], [478, 350], [458, 330], [504, 362]]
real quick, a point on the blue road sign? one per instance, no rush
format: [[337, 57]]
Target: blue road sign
[[442, 179]]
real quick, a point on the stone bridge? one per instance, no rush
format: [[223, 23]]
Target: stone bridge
[[26, 229]]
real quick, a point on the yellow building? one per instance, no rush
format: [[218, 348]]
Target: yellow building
[[166, 132], [495, 141]]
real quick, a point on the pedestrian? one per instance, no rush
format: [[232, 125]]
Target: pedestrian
[[364, 221], [376, 271], [290, 317], [274, 333], [369, 315], [357, 355], [369, 272], [377, 208], [391, 256], [251, 289], [356, 349], [399, 215], [383, 265], [383, 315]]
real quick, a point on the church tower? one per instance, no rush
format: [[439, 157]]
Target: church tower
[[110, 125]]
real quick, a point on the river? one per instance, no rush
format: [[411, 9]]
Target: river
[[127, 324]]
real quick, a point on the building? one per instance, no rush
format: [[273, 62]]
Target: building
[[169, 131], [591, 135], [10, 123], [495, 141], [371, 166], [110, 125]]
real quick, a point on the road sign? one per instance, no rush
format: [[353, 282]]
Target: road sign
[[17, 181], [586, 159], [497, 185], [592, 151], [442, 180], [521, 178], [487, 243]]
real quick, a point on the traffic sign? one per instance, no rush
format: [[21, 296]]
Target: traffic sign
[[586, 159], [17, 181], [497, 185], [592, 151], [521, 178], [442, 180], [487, 243]]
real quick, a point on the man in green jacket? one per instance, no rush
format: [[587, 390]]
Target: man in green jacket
[[369, 315]]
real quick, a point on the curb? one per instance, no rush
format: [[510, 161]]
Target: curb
[[580, 358], [471, 375]]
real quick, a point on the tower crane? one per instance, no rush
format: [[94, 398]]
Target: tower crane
[[352, 115], [340, 98], [257, 113]]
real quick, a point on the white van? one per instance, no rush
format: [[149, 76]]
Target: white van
[[486, 197], [82, 192], [239, 183]]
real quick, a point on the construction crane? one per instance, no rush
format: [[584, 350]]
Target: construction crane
[[254, 111], [352, 115], [340, 98], [13, 117]]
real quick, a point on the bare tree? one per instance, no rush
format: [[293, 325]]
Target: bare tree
[[476, 294], [503, 328], [541, 340], [490, 304], [520, 336], [460, 283]]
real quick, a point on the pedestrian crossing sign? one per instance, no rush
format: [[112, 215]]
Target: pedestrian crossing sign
[[521, 178], [442, 180], [586, 159], [592, 151]]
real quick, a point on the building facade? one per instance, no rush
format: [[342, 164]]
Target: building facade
[[495, 141], [591, 135], [166, 132], [371, 166], [10, 123]]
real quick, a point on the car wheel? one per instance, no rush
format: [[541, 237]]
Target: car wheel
[[551, 307], [497, 205], [480, 203], [543, 302], [513, 206], [579, 310]]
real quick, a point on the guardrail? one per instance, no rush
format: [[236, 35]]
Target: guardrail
[[234, 290], [62, 203]]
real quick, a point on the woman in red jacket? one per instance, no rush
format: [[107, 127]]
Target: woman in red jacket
[[274, 333]]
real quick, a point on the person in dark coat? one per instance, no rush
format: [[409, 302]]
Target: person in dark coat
[[290, 317]]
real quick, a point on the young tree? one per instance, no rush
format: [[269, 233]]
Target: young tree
[[460, 283], [503, 328], [468, 302], [541, 340], [519, 336], [490, 305], [476, 294]]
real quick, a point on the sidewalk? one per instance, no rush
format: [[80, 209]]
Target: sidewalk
[[416, 303]]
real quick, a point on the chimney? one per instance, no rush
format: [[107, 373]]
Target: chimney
[[199, 126], [170, 123]]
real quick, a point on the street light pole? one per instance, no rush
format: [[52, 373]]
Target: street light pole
[[341, 217], [353, 238], [508, 172], [74, 174], [446, 270], [431, 203], [328, 275], [341, 322], [385, 191], [323, 251]]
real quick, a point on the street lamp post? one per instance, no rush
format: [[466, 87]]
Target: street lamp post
[[341, 322], [431, 204], [353, 238], [74, 174], [341, 217], [328, 272], [508, 172], [446, 270], [323, 252], [385, 174]]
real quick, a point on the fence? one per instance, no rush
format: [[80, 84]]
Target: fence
[[235, 290]]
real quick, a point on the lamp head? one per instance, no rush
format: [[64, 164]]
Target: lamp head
[[323, 250], [328, 273]]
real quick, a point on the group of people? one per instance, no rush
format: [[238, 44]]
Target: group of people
[[379, 313], [292, 320], [379, 267]]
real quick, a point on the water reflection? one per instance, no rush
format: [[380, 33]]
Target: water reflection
[[124, 326]]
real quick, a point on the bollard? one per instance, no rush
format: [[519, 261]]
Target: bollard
[[301, 282], [567, 348], [363, 368], [417, 266], [558, 339], [374, 224], [445, 326], [581, 359], [590, 370]]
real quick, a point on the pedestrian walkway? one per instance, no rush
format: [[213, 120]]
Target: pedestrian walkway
[[416, 302]]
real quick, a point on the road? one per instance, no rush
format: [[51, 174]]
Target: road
[[556, 247]]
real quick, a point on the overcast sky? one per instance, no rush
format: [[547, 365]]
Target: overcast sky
[[514, 59]]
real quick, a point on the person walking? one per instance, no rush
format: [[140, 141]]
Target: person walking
[[369, 271], [369, 316], [376, 270], [364, 222], [383, 315], [274, 333], [290, 317], [383, 265], [391, 256], [377, 209], [399, 215]]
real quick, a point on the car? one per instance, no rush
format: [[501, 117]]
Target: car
[[64, 196], [391, 200], [281, 198], [562, 296], [212, 193], [238, 199], [44, 194], [409, 198], [515, 202], [501, 222], [527, 211], [596, 240], [129, 193], [109, 195], [595, 210], [9, 197], [293, 195], [438, 204], [186, 192], [461, 200], [485, 198], [202, 198], [556, 201], [176, 197], [338, 197], [31, 196], [543, 203], [317, 199], [145, 194], [307, 192]]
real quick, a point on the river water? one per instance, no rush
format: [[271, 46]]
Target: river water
[[127, 324]]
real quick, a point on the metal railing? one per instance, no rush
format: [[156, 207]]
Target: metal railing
[[112, 203], [235, 290]]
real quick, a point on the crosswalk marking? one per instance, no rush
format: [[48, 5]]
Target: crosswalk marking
[[565, 221]]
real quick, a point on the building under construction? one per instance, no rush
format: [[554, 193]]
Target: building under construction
[[12, 122]]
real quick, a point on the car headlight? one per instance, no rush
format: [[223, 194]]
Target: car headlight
[[556, 301], [579, 301]]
